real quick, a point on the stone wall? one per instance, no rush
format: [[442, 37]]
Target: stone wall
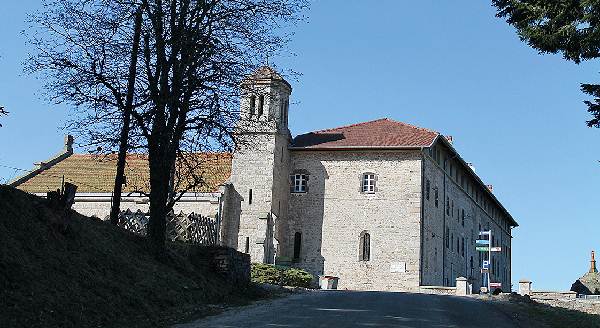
[[437, 290], [587, 306], [334, 212], [234, 266], [444, 262], [260, 169], [551, 295], [98, 205]]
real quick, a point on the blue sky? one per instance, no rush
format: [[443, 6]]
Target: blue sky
[[450, 66]]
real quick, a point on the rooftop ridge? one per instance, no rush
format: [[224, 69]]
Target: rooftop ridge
[[349, 125], [413, 126], [373, 121], [145, 156]]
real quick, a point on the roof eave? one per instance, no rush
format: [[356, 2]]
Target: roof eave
[[358, 148], [448, 144], [46, 165]]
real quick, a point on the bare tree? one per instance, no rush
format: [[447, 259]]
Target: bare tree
[[193, 56], [127, 110], [2, 113]]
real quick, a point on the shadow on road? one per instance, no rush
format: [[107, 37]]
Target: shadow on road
[[362, 309]]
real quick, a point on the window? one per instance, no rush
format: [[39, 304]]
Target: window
[[462, 249], [447, 205], [252, 105], [447, 237], [427, 189], [300, 183], [250, 197], [368, 183], [452, 242], [436, 197], [247, 247], [261, 104], [284, 110], [364, 247], [463, 217], [297, 245], [457, 244]]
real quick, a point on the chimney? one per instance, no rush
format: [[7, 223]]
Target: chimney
[[593, 264], [490, 188], [471, 166], [69, 144], [450, 139]]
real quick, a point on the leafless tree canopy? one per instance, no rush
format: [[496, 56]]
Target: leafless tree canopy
[[2, 113], [193, 56]]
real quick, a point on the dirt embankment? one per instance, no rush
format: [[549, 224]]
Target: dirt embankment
[[94, 274]]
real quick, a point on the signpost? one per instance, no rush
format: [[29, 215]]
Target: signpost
[[482, 244]]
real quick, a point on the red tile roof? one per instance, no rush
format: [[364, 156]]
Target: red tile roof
[[96, 174], [382, 133]]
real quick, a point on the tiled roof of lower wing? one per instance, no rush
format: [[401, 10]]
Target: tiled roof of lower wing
[[96, 173]]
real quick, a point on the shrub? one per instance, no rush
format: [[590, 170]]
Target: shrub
[[265, 274], [297, 278], [278, 275]]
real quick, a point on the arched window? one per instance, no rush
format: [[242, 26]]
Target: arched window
[[252, 105], [297, 245], [364, 253], [261, 103]]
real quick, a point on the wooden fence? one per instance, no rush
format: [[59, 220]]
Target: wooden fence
[[192, 228]]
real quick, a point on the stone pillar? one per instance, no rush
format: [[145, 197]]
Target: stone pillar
[[462, 286], [593, 263], [524, 287]]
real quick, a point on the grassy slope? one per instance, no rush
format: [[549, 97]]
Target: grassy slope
[[94, 275], [538, 315]]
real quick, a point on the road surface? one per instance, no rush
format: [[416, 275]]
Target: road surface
[[361, 309]]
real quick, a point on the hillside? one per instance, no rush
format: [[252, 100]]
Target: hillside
[[93, 275]]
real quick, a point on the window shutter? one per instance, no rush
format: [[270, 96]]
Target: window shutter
[[361, 180], [291, 183], [307, 182], [376, 188]]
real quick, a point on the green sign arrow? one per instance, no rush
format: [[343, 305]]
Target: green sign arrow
[[482, 249]]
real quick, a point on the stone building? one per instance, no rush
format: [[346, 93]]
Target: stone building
[[589, 283], [383, 205]]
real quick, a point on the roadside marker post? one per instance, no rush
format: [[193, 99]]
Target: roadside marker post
[[484, 244]]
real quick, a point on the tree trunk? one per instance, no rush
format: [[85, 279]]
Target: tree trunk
[[161, 163], [123, 141]]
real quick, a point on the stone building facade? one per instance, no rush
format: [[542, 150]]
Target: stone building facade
[[383, 205]]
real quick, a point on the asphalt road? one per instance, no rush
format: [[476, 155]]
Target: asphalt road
[[361, 309]]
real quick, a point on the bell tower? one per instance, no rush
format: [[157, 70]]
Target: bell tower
[[261, 164]]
